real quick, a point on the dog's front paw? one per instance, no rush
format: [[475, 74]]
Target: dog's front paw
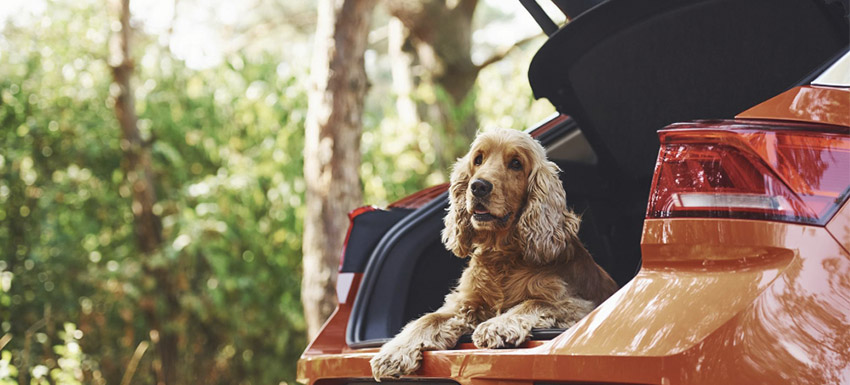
[[395, 361], [500, 332]]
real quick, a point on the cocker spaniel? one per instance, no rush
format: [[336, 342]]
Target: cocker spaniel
[[527, 267]]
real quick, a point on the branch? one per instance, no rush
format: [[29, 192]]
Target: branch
[[501, 55], [170, 32], [5, 340], [134, 362]]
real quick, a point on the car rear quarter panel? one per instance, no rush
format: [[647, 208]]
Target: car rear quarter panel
[[730, 300], [839, 226], [814, 104]]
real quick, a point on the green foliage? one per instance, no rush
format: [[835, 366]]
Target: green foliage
[[227, 156], [77, 297], [399, 159], [503, 95]]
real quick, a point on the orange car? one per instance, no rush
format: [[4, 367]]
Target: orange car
[[731, 244]]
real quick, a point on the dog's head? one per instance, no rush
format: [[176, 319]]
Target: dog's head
[[505, 185]]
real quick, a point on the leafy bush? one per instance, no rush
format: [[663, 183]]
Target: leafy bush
[[227, 155], [78, 301]]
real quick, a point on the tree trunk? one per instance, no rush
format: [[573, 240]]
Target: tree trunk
[[137, 154], [139, 173], [440, 33], [400, 62], [332, 148]]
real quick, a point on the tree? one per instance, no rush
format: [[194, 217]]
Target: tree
[[80, 292], [332, 148], [441, 33], [138, 167], [439, 36]]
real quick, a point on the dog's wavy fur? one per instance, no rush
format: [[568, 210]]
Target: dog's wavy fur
[[527, 268]]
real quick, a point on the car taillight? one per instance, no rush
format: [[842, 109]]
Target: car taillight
[[755, 170]]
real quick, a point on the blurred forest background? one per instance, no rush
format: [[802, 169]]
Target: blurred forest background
[[220, 92]]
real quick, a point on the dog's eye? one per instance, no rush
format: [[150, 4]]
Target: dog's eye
[[478, 160], [515, 165]]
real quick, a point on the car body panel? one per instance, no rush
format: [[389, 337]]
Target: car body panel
[[839, 227], [331, 338], [827, 105], [716, 299]]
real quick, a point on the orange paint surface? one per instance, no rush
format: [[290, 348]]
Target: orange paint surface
[[717, 300], [839, 226], [827, 105]]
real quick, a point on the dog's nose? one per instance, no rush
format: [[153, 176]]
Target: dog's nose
[[481, 187]]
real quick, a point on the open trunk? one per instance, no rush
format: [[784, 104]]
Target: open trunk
[[620, 72]]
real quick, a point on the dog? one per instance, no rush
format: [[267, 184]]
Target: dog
[[508, 214]]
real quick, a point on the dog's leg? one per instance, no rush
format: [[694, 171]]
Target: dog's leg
[[434, 331], [514, 326]]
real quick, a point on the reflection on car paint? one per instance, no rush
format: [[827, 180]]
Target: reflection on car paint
[[826, 105]]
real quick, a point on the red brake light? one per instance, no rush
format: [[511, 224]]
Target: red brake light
[[755, 170]]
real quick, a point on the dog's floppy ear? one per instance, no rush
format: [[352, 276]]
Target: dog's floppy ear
[[546, 225], [457, 235]]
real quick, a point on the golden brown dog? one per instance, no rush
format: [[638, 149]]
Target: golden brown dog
[[527, 270]]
